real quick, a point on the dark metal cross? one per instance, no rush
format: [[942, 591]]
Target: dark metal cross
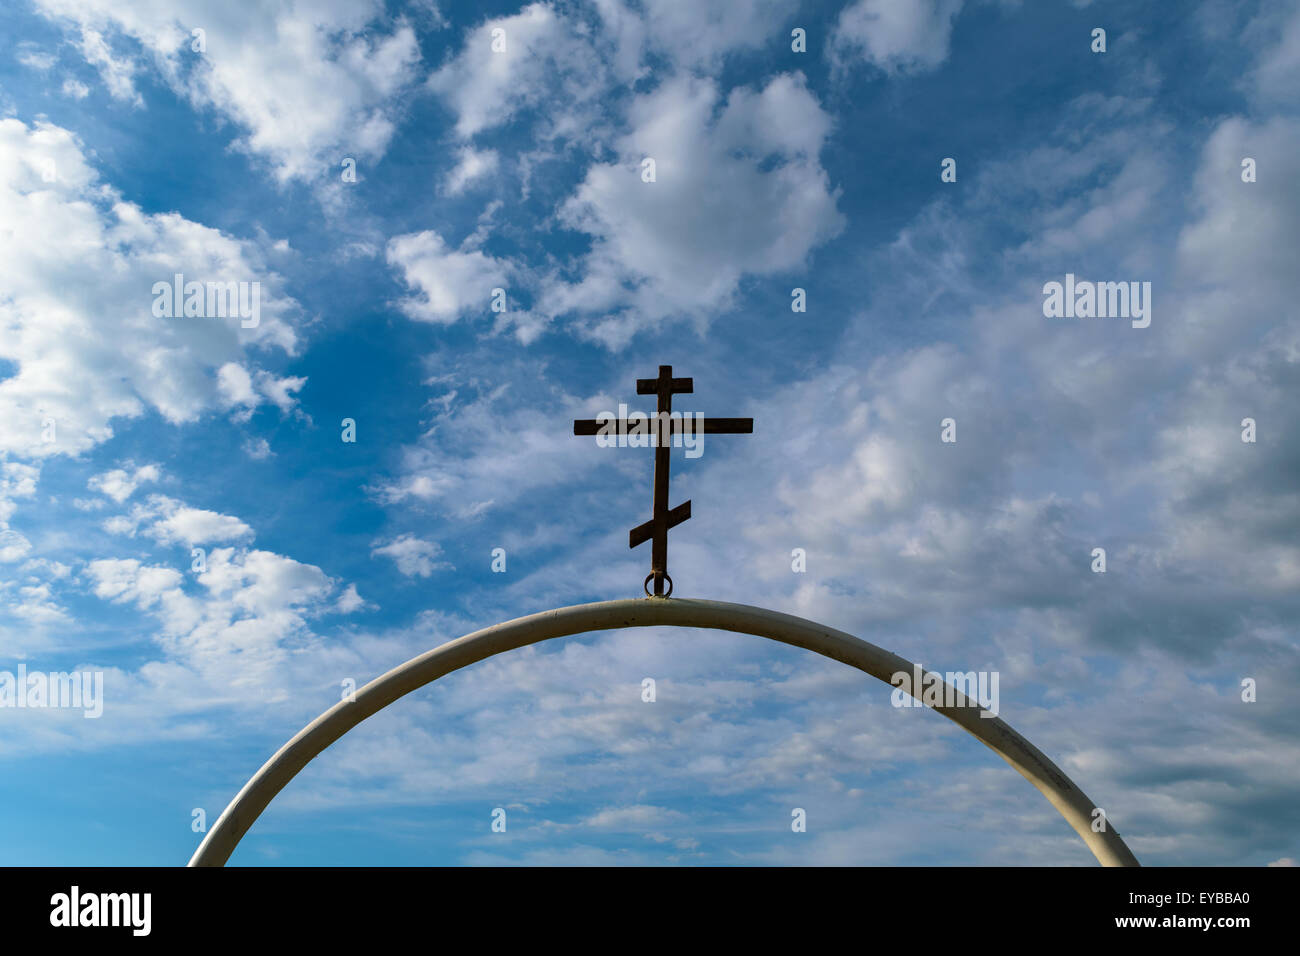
[[664, 427]]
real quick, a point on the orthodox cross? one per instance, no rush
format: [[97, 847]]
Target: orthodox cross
[[656, 529]]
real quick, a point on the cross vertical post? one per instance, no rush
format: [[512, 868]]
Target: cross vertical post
[[665, 386]]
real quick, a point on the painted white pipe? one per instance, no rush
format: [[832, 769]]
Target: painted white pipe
[[276, 773]]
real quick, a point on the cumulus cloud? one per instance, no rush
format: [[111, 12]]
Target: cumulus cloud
[[1276, 74], [472, 165], [232, 634], [257, 449], [75, 89], [448, 282], [350, 601], [243, 392], [13, 546], [34, 59], [120, 483], [32, 602], [699, 36], [78, 263], [566, 57], [168, 521], [237, 634], [414, 557], [17, 480], [739, 187], [308, 83], [535, 51], [116, 71], [896, 37], [739, 190], [637, 816]]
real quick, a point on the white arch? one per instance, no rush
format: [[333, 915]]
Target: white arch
[[276, 773]]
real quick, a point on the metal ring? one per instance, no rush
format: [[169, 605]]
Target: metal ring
[[649, 577]]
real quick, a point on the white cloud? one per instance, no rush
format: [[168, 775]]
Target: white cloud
[[635, 817], [232, 639], [738, 191], [75, 89], [16, 481], [116, 71], [13, 546], [120, 483], [350, 601], [236, 386], [895, 36], [190, 526], [244, 393], [1276, 75], [38, 60], [280, 391], [473, 165], [236, 635], [448, 282], [257, 449], [34, 604], [568, 60], [1246, 231], [78, 264], [414, 557], [486, 88], [309, 82], [168, 521], [697, 36]]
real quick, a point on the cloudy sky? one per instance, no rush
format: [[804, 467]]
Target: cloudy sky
[[378, 169]]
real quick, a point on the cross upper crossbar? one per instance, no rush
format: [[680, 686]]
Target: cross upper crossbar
[[708, 426]]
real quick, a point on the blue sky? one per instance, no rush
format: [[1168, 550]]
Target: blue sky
[[128, 155]]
